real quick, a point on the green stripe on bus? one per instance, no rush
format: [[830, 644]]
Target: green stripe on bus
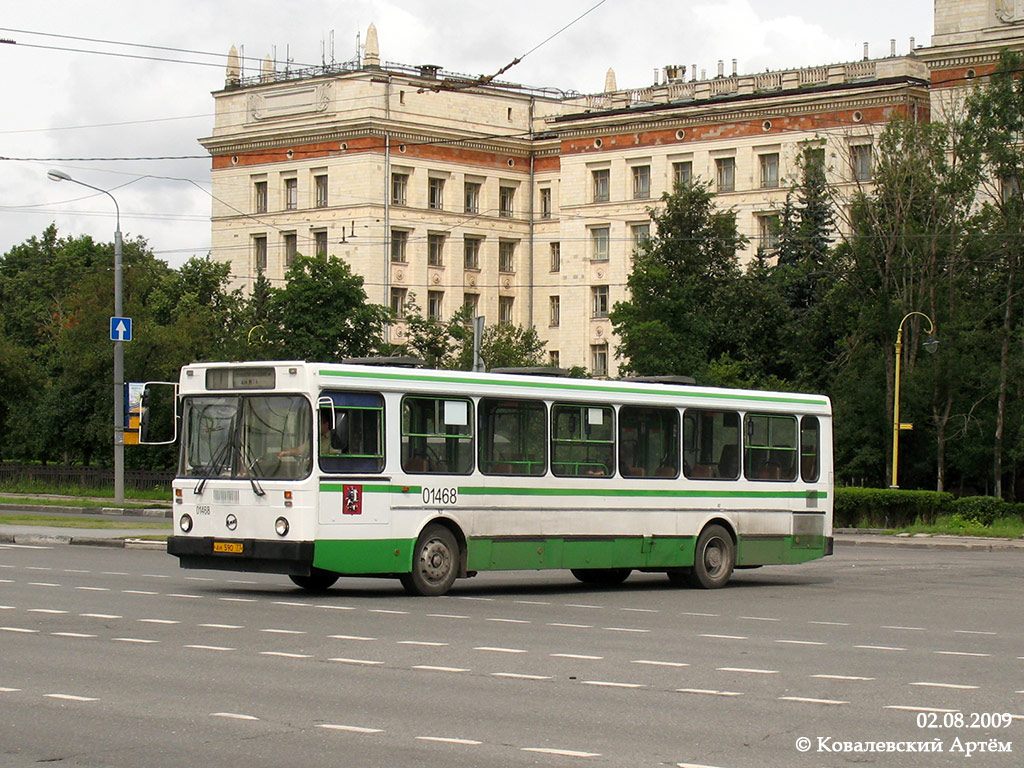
[[575, 386], [595, 490]]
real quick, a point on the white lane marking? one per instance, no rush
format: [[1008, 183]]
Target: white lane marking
[[971, 632], [607, 684], [156, 575], [446, 616], [579, 656], [919, 709], [21, 630], [93, 589], [695, 765], [348, 728], [68, 697], [450, 740], [210, 648], [241, 581], [626, 629], [510, 621], [560, 752], [708, 692], [337, 607], [101, 616], [954, 686], [291, 604], [481, 599], [283, 631], [184, 596], [805, 700], [138, 592], [233, 716], [38, 568], [571, 626], [187, 578], [800, 642], [46, 610], [351, 637], [962, 653], [428, 643], [75, 570], [695, 613], [831, 623], [726, 637], [494, 649], [758, 618], [532, 602], [70, 634], [361, 662], [429, 668], [388, 612], [138, 640], [841, 677], [6, 607], [122, 573], [223, 626], [159, 621], [238, 599], [660, 663], [42, 584], [749, 670], [517, 676], [24, 546], [879, 648], [906, 629], [640, 610], [583, 605], [1017, 717], [10, 690], [284, 655]]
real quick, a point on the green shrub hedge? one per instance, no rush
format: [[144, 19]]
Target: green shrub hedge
[[893, 508], [984, 510]]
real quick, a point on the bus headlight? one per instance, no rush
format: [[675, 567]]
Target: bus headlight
[[185, 523], [281, 526]]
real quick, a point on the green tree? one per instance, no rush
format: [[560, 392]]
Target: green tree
[[438, 343]]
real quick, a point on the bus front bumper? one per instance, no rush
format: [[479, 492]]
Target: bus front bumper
[[292, 558]]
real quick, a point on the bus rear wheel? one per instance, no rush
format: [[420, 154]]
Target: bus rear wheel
[[317, 581], [435, 563], [606, 577], [713, 559]]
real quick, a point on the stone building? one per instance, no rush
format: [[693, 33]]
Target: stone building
[[527, 203]]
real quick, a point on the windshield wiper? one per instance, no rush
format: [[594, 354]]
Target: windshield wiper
[[216, 463], [251, 465]]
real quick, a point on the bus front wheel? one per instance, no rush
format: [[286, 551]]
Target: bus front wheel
[[713, 559], [435, 563]]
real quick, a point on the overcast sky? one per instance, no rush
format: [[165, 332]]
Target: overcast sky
[[69, 104]]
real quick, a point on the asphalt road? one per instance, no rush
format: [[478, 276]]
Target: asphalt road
[[115, 657]]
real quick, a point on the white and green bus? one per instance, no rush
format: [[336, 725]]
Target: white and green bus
[[318, 471]]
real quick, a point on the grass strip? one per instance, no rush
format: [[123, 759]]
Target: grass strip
[[64, 521]]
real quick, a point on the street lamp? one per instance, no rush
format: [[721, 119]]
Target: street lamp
[[55, 175], [930, 344]]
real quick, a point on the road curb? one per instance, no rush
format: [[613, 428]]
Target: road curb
[[110, 511], [48, 540], [976, 545]]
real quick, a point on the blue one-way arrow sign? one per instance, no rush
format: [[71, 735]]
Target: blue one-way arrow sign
[[120, 329]]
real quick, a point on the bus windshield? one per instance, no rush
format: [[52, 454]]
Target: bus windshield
[[261, 437]]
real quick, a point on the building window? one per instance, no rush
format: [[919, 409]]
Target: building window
[[599, 359], [399, 241], [599, 239], [472, 197], [553, 358], [814, 157], [641, 182], [682, 173], [725, 174], [320, 189], [545, 202], [506, 256], [291, 194], [554, 310], [860, 157], [259, 252], [768, 231], [506, 199], [599, 301], [291, 247], [435, 194], [770, 171], [641, 234], [434, 301], [320, 242], [259, 189], [435, 249], [471, 252], [556, 257], [398, 298], [399, 187], [1009, 189], [602, 184], [505, 305], [471, 302]]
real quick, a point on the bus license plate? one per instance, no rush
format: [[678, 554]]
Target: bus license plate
[[228, 547]]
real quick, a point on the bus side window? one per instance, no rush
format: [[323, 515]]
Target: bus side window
[[810, 449], [512, 436], [770, 447], [437, 435], [582, 440], [711, 444], [350, 432], [648, 442]]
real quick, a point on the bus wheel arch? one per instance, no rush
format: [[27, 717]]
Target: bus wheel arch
[[438, 558], [714, 555]]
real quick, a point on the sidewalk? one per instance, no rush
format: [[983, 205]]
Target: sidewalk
[[126, 532]]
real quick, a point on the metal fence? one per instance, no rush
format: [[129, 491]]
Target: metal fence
[[89, 477]]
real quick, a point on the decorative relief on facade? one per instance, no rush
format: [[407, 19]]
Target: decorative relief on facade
[[290, 102], [1010, 11]]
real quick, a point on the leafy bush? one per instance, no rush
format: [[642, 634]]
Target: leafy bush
[[983, 510], [888, 508]]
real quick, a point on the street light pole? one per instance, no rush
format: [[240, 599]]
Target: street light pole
[[55, 175], [929, 345]]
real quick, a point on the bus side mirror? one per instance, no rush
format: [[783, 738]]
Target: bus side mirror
[[158, 414]]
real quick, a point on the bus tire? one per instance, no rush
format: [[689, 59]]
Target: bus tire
[[713, 558], [606, 577], [317, 581], [435, 563]]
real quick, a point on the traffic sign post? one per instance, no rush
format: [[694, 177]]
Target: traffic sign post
[[120, 329]]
